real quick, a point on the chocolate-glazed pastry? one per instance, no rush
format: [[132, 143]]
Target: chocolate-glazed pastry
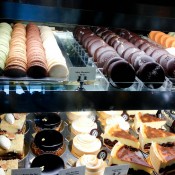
[[144, 46], [110, 61], [94, 46], [102, 49], [89, 40], [107, 39], [171, 67], [51, 164], [106, 34], [112, 40], [163, 61], [151, 74], [105, 56], [128, 52], [85, 36], [142, 59], [117, 74], [134, 55], [96, 38], [150, 50], [47, 121], [158, 53], [121, 41], [122, 47], [48, 141], [139, 42]]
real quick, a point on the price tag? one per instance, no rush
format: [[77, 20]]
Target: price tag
[[82, 73], [73, 171], [117, 170], [27, 171]]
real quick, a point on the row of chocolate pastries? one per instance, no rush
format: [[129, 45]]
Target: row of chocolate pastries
[[120, 59]]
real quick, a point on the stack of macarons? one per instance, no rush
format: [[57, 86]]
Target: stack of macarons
[[162, 38], [57, 67], [16, 63], [5, 33], [36, 58]]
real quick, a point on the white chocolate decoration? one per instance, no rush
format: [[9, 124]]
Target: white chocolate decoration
[[94, 166], [2, 171], [118, 120], [5, 143], [10, 118], [83, 125]]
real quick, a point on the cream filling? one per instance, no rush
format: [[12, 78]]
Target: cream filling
[[93, 165], [83, 125], [86, 143]]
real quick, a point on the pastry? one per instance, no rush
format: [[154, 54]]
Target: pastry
[[103, 115], [148, 135], [85, 144], [83, 125], [36, 57], [50, 164], [13, 123], [148, 120], [122, 154], [47, 121], [162, 157], [48, 141], [16, 62], [94, 166], [56, 62], [12, 146], [71, 116], [8, 165], [114, 134]]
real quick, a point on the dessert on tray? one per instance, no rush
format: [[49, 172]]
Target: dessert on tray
[[94, 166], [85, 144], [13, 123]]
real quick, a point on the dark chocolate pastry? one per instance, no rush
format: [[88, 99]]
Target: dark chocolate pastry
[[108, 37], [129, 51], [118, 76], [102, 49], [123, 46], [158, 53], [47, 120], [171, 67], [108, 62], [139, 42], [89, 41], [150, 50], [144, 46], [94, 46], [134, 55], [152, 74], [50, 163], [85, 36]]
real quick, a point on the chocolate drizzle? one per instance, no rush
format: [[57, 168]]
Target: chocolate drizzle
[[109, 142]]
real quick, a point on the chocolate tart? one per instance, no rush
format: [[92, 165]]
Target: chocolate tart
[[50, 163], [48, 141], [47, 121]]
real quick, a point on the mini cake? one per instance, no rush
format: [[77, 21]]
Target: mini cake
[[85, 144], [12, 147], [83, 125], [148, 135], [114, 134], [48, 141], [47, 121], [13, 123], [94, 166], [148, 120], [162, 157], [122, 154], [75, 115], [50, 164], [7, 166], [103, 115]]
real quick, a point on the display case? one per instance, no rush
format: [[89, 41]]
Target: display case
[[95, 93]]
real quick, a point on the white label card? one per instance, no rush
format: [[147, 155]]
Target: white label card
[[73, 171], [82, 73], [26, 171], [117, 170]]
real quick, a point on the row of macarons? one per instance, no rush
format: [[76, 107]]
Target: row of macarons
[[30, 51]]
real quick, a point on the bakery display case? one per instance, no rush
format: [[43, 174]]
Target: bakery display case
[[85, 93]]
